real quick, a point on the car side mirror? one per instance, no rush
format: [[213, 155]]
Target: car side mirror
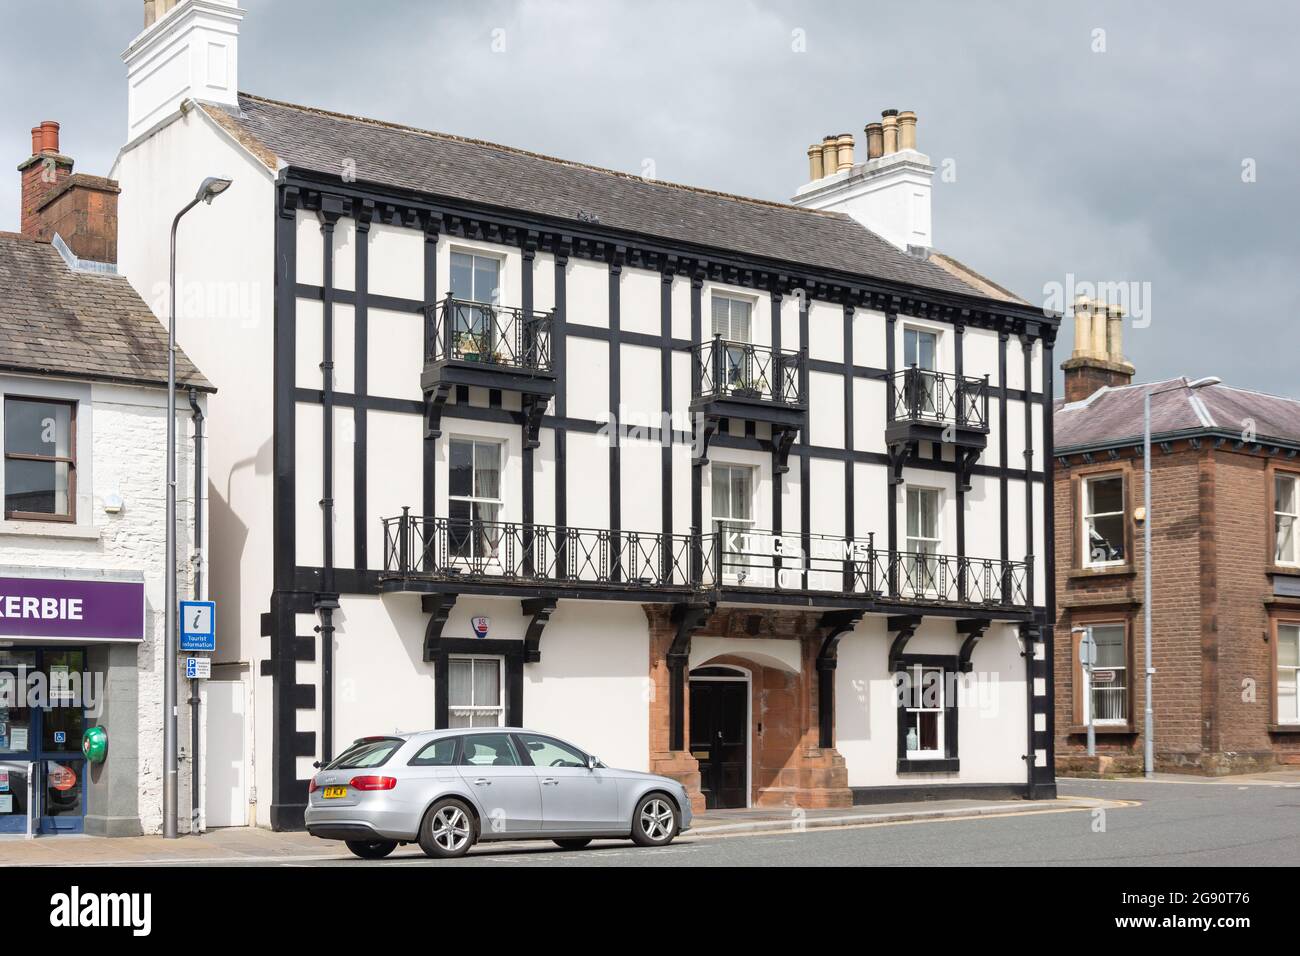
[[592, 762]]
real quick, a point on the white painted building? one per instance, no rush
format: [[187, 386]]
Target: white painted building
[[688, 478], [83, 375]]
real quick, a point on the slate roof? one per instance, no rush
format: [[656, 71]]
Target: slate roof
[[55, 321], [454, 167], [1113, 416]]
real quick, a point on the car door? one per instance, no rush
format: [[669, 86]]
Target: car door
[[503, 784], [574, 796]]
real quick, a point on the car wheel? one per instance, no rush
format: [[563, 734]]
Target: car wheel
[[655, 821], [371, 849], [448, 830], [574, 843]]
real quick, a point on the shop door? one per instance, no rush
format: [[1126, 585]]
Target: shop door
[[47, 738], [719, 735]]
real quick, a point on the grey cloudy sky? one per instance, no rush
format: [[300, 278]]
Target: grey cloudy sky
[[1116, 166]]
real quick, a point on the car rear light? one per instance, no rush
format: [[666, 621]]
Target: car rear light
[[312, 785], [372, 783]]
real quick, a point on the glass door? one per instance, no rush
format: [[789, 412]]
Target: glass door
[[42, 718], [63, 719]]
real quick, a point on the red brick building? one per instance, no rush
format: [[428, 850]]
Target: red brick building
[[1225, 573]]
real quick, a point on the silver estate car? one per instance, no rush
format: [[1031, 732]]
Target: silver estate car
[[449, 789]]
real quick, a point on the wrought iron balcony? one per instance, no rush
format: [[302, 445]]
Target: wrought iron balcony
[[489, 346], [748, 373], [938, 398], [491, 336], [462, 550], [937, 407], [749, 382], [734, 563]]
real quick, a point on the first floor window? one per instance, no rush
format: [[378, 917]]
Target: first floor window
[[923, 712], [733, 512], [473, 499], [1105, 695], [1288, 672], [474, 692], [1286, 516], [922, 568], [1103, 520], [40, 458]]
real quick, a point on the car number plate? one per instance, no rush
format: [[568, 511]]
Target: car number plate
[[333, 792]]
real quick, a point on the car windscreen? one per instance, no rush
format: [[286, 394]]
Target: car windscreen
[[367, 752]]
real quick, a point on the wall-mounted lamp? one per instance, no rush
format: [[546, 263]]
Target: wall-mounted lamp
[[112, 503]]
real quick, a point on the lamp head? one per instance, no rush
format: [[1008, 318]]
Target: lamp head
[[212, 187], [1206, 381]]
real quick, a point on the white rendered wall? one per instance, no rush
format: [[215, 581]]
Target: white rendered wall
[[991, 730]]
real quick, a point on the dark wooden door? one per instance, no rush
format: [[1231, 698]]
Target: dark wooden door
[[720, 740]]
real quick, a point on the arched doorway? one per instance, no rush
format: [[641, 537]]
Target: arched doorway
[[720, 732]]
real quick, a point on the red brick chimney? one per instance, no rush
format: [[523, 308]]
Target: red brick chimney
[[80, 208]]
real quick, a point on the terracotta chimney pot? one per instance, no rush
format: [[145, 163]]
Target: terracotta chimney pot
[[907, 130], [815, 162], [875, 140], [845, 152], [889, 120]]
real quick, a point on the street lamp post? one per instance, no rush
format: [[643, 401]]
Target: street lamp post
[[1149, 725], [211, 188]]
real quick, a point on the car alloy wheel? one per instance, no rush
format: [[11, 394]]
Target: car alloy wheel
[[448, 830], [656, 821], [451, 828]]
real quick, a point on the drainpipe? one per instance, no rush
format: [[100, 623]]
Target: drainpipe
[[196, 415]]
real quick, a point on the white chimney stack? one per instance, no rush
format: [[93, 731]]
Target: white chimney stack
[[188, 50], [889, 193]]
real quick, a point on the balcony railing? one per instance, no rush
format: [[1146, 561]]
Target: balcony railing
[[727, 369], [733, 558], [532, 553], [761, 559], [490, 335], [938, 398]]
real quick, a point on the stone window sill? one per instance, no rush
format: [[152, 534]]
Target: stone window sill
[[1283, 569], [48, 529], [1116, 571], [1116, 730], [1284, 728]]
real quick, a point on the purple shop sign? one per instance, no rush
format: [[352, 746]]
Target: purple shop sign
[[67, 608]]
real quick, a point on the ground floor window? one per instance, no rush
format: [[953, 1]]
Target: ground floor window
[[927, 713], [475, 692], [1105, 696], [1288, 673]]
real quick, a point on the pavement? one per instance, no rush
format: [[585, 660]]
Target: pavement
[[1172, 820]]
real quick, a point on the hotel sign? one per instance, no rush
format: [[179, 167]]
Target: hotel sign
[[68, 609], [765, 560]]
